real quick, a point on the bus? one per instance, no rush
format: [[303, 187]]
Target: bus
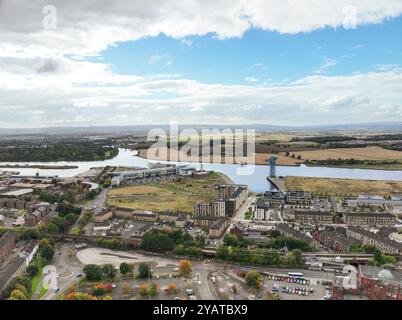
[[295, 274]]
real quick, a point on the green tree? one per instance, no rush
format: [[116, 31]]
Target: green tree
[[71, 218], [144, 271], [30, 234], [47, 253], [157, 242], [254, 280], [125, 268], [33, 269], [17, 295], [109, 271], [93, 272], [18, 280], [52, 228]]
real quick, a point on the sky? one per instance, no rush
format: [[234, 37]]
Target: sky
[[305, 62]]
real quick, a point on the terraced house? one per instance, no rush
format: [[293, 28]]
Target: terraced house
[[385, 245]]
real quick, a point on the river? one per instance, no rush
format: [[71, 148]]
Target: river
[[255, 178]]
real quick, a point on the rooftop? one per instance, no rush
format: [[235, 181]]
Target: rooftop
[[381, 274], [17, 193]]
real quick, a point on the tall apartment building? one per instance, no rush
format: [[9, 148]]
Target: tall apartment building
[[228, 199], [211, 209], [261, 210], [224, 191]]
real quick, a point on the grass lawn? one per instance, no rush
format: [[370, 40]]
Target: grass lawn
[[180, 195], [35, 280], [42, 292], [343, 186], [248, 215]]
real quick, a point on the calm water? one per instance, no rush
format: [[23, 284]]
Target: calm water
[[255, 178]]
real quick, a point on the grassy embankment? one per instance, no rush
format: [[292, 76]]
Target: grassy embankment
[[343, 186]]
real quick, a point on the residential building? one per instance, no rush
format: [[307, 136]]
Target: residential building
[[261, 210], [336, 241], [380, 284], [385, 245], [313, 217], [274, 198], [145, 216], [300, 198], [287, 231], [103, 216], [204, 221], [369, 219], [214, 209], [7, 243], [218, 228], [374, 201]]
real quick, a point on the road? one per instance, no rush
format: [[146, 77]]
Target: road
[[67, 269], [98, 203], [239, 216]]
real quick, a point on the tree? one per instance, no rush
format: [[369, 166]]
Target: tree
[[254, 279], [44, 242], [79, 296], [17, 295], [47, 253], [22, 289], [52, 228], [99, 290], [109, 271], [185, 268], [153, 290], [126, 289], [70, 218], [156, 241], [14, 282], [275, 234], [144, 270], [144, 290], [297, 257], [171, 289], [30, 234], [93, 272], [33, 269], [125, 268]]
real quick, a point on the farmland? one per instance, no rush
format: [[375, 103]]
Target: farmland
[[368, 153]]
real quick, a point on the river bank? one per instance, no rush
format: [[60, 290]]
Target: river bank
[[37, 166]]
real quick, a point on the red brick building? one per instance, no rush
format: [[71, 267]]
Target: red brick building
[[373, 283], [380, 284], [7, 244]]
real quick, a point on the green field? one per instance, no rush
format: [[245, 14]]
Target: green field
[[343, 186], [180, 195]]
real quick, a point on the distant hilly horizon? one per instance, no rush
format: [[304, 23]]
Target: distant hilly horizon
[[393, 126]]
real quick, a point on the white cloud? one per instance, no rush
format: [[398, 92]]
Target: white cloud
[[327, 64], [89, 27], [251, 79], [46, 81], [387, 67], [161, 58]]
